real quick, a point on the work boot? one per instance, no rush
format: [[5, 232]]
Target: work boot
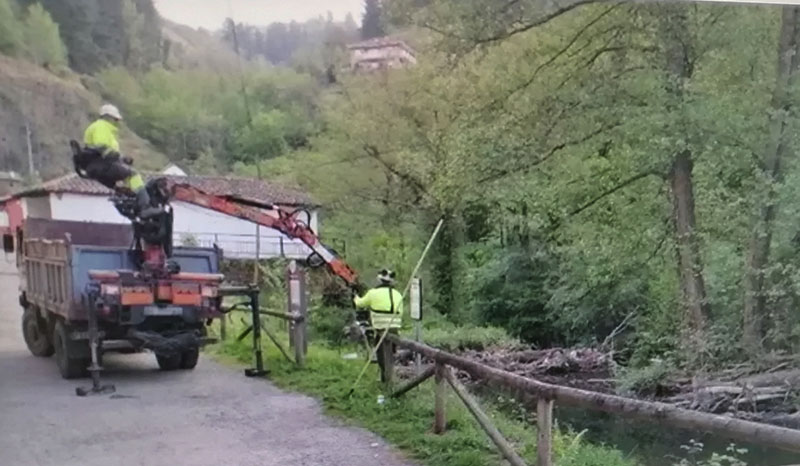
[[146, 210]]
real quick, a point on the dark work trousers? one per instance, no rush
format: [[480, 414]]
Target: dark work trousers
[[109, 171], [376, 336]]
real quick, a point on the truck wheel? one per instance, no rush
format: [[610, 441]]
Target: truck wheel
[[35, 335], [169, 363], [70, 366], [189, 358]]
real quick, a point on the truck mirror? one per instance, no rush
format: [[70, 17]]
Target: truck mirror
[[8, 243]]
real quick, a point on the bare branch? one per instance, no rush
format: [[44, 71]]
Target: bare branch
[[534, 23], [375, 154], [622, 185], [553, 150]]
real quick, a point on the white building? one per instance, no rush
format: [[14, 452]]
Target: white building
[[76, 199], [381, 53]]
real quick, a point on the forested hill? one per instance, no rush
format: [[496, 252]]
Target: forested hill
[[179, 88], [49, 51]]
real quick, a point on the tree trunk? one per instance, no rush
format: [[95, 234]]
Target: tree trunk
[[443, 262], [754, 311], [679, 67], [693, 289]]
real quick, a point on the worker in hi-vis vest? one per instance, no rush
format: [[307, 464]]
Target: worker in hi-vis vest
[[103, 162], [385, 305]]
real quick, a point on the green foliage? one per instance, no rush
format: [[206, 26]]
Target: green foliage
[[452, 337], [10, 30], [645, 380], [197, 115], [509, 287], [42, 40], [328, 324], [263, 138]]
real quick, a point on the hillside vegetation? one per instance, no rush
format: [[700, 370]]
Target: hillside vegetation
[[51, 109]]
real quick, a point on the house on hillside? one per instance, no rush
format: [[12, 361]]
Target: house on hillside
[[76, 199], [381, 53]]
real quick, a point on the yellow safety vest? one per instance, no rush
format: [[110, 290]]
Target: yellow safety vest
[[102, 135], [385, 305]]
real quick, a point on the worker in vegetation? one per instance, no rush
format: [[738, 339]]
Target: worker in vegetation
[[385, 306], [101, 159]]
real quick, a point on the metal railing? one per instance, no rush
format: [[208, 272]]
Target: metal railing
[[245, 246]]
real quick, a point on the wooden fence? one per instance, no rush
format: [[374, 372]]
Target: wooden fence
[[298, 333], [547, 394]]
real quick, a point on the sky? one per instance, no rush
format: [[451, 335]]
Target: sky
[[210, 14]]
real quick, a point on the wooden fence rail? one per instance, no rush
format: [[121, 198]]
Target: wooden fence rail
[[297, 332], [547, 394]]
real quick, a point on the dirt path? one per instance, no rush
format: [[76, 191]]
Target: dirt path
[[210, 416]]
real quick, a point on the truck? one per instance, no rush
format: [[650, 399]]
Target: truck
[[91, 288], [68, 268]]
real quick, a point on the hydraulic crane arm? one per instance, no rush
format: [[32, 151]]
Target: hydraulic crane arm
[[285, 222]]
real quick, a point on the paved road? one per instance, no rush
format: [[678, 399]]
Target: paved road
[[210, 416]]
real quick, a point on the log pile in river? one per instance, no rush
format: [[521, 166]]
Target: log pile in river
[[744, 391]]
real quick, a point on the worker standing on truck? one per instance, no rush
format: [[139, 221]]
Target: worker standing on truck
[[103, 162], [385, 305]]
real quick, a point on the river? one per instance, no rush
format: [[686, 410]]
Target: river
[[657, 445]]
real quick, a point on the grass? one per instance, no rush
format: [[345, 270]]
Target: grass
[[406, 422]]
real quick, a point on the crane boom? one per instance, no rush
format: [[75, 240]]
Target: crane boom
[[284, 221]]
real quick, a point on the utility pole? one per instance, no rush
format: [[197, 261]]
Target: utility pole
[[31, 167]]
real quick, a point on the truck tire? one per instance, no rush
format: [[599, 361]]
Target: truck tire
[[69, 365], [189, 358], [169, 363], [35, 335]]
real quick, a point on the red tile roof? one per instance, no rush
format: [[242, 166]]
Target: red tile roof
[[242, 188]]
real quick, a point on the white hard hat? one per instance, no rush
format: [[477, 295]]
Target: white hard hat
[[110, 110], [386, 276]]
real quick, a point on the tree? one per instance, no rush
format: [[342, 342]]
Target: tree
[[679, 61], [134, 55], [76, 19], [10, 31], [372, 22], [263, 139], [42, 39], [778, 145]]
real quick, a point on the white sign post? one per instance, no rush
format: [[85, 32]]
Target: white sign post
[[416, 315]]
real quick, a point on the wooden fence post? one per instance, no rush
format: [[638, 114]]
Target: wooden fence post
[[544, 419], [440, 419], [299, 345], [297, 306], [387, 361], [483, 420]]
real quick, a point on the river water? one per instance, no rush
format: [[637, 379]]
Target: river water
[[656, 445]]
